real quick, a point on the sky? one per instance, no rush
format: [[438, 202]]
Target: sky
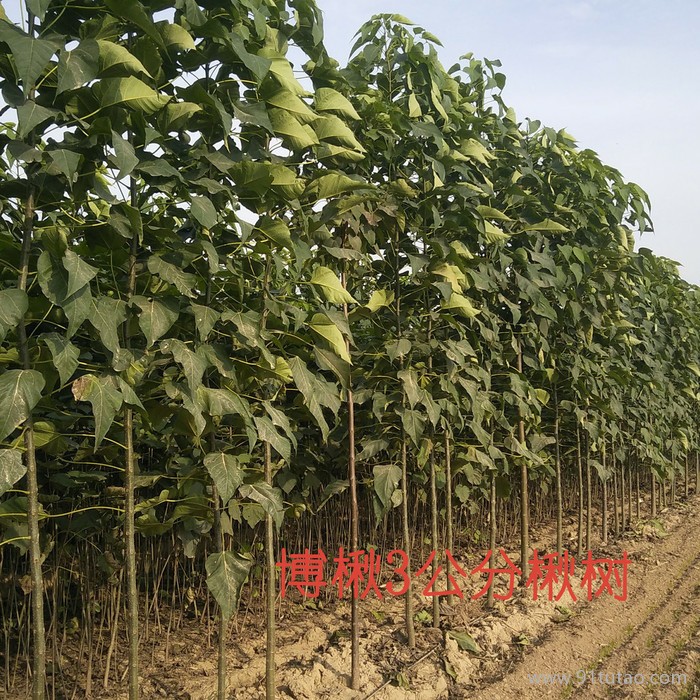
[[621, 76]]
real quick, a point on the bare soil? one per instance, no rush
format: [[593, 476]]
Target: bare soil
[[618, 645]]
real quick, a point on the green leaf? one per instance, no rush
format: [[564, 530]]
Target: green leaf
[[104, 397], [134, 12], [379, 299], [20, 391], [267, 433], [410, 385], [328, 186], [547, 226], [205, 319], [321, 324], [269, 497], [329, 100], [124, 155], [283, 73], [176, 36], [115, 58], [386, 481], [64, 355], [476, 150], [276, 230], [79, 272], [203, 212], [289, 102], [66, 162], [253, 113], [31, 55], [226, 574], [38, 8], [286, 126], [493, 234], [333, 291], [226, 473], [13, 305], [308, 385], [464, 641], [184, 282], [398, 348], [413, 423], [176, 115], [223, 402], [12, 469], [259, 66], [326, 359], [78, 67], [131, 92], [491, 213], [106, 317], [156, 317], [30, 115], [279, 418], [460, 303], [333, 128], [192, 363]]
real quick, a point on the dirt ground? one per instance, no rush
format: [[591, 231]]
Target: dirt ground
[[610, 648], [655, 631]]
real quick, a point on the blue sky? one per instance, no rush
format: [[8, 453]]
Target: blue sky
[[621, 76]]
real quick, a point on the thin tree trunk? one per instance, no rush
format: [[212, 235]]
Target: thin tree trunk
[[653, 493], [433, 490], [354, 520], [579, 466], [410, 629], [524, 498], [629, 490], [615, 499], [589, 495], [557, 461], [492, 531], [622, 495], [270, 666], [37, 594], [448, 502], [604, 529], [132, 601], [434, 533]]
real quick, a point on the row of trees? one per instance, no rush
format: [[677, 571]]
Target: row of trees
[[239, 301]]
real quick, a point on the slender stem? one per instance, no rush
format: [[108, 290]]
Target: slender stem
[[270, 665], [524, 498], [354, 516], [37, 602]]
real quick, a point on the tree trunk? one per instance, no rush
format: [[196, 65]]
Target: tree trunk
[[579, 550], [524, 498], [270, 666], [448, 502], [589, 495], [557, 460], [354, 516], [604, 528], [37, 593], [492, 532], [410, 629], [132, 601]]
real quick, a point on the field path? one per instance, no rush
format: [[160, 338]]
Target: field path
[[654, 631]]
